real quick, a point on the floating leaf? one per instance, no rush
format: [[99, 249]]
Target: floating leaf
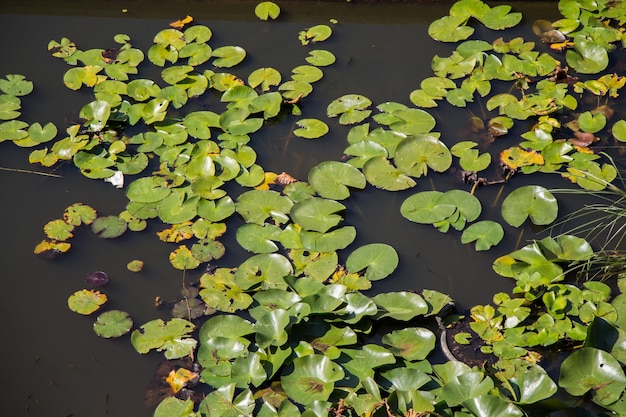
[[415, 155], [379, 171], [16, 85], [591, 369], [310, 128], [486, 233], [351, 107], [258, 239], [313, 379], [183, 259], [171, 337], [590, 122], [113, 323], [450, 29], [135, 265], [619, 130], [173, 407], [317, 214], [109, 227], [257, 205], [413, 343], [86, 301], [401, 305], [424, 208], [266, 10], [378, 260], [316, 33], [264, 77], [587, 57], [531, 201], [329, 241], [228, 56], [223, 402], [320, 58], [331, 179]]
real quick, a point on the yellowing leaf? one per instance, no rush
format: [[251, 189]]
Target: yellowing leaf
[[180, 378], [51, 247], [353, 281], [176, 233], [269, 179], [517, 157], [179, 24]]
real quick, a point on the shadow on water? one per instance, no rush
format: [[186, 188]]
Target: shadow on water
[[54, 365]]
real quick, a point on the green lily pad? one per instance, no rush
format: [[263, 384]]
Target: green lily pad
[[147, 190], [264, 77], [307, 73], [223, 402], [591, 369], [256, 206], [401, 305], [42, 134], [220, 291], [329, 241], [173, 337], [267, 10], [258, 239], [228, 56], [590, 122], [485, 233], [173, 407], [424, 208], [320, 58], [16, 85], [312, 379], [413, 343], [266, 270], [109, 227], [317, 214], [531, 201], [310, 128], [113, 323], [619, 130], [13, 130], [381, 173], [9, 105], [378, 260], [183, 259], [450, 29], [317, 33], [351, 107], [86, 301], [587, 57], [331, 179], [415, 155]]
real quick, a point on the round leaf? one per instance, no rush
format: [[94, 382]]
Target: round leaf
[[86, 301], [331, 179], [310, 128], [485, 233], [267, 10], [413, 343], [312, 379], [378, 260], [531, 201], [317, 214], [113, 323]]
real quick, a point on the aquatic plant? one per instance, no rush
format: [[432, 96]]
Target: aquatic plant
[[290, 331]]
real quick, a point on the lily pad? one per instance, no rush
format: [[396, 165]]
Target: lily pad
[[113, 323], [311, 128], [485, 233], [351, 107], [413, 343], [109, 227], [530, 201], [415, 155], [320, 58], [380, 172], [424, 208], [317, 214], [378, 260], [228, 56], [331, 179], [401, 305], [591, 369], [86, 301], [173, 337], [312, 379], [267, 10]]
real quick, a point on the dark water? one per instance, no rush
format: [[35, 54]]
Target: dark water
[[53, 363]]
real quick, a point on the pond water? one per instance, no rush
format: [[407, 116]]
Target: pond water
[[54, 365]]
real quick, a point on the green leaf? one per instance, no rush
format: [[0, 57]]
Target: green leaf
[[310, 128], [223, 402], [415, 155], [266, 10], [40, 134], [331, 179], [590, 122], [413, 343], [13, 130], [489, 405], [401, 305], [256, 206], [16, 85], [86, 301], [485, 233], [266, 270], [424, 208], [316, 33], [465, 386], [531, 201], [378, 260], [258, 239], [329, 241], [96, 114], [171, 337], [450, 29], [320, 58], [109, 227], [112, 323], [173, 407], [8, 107], [312, 379], [228, 56], [351, 107], [378, 170], [587, 57], [591, 369], [264, 77], [183, 259], [317, 214], [619, 130]]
